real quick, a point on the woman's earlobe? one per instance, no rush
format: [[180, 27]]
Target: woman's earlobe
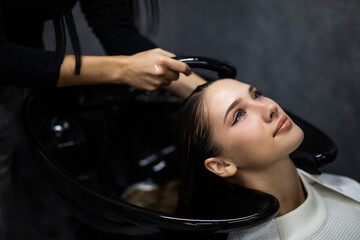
[[220, 166]]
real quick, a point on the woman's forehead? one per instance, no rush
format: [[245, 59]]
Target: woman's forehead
[[226, 90], [221, 94]]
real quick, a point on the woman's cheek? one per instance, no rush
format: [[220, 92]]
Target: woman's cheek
[[246, 138]]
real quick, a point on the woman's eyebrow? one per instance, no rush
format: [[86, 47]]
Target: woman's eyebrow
[[236, 102]]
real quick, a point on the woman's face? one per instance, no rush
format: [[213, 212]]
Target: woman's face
[[252, 130]]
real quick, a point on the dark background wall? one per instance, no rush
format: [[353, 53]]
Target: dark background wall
[[303, 54]]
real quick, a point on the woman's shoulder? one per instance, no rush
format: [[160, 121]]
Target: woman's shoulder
[[341, 184]]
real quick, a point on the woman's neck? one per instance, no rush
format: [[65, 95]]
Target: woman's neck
[[280, 180]]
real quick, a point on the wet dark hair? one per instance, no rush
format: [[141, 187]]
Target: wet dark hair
[[195, 145]]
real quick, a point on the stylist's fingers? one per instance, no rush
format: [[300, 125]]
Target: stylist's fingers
[[173, 64], [177, 66], [152, 69], [165, 75], [171, 75], [160, 81]]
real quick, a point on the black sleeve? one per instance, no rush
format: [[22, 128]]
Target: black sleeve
[[24, 66], [2, 24], [112, 23]]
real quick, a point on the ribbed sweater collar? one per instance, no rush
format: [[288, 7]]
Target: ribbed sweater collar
[[310, 215]]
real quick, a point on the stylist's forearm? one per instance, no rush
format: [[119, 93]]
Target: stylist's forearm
[[185, 85], [94, 70]]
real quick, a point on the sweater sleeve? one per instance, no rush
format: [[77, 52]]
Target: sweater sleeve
[[112, 23], [24, 66], [27, 67]]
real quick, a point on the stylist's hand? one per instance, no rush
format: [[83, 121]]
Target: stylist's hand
[[152, 69], [147, 70]]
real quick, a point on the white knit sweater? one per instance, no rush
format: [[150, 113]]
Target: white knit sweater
[[325, 214], [330, 211]]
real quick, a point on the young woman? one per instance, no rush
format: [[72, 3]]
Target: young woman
[[228, 130]]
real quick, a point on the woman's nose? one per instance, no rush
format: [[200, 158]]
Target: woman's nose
[[270, 112]]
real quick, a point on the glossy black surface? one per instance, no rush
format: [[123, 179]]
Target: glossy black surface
[[96, 156], [90, 143], [223, 68]]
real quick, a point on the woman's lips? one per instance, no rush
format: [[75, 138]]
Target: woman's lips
[[283, 125]]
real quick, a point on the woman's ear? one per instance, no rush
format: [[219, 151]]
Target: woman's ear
[[221, 166]]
